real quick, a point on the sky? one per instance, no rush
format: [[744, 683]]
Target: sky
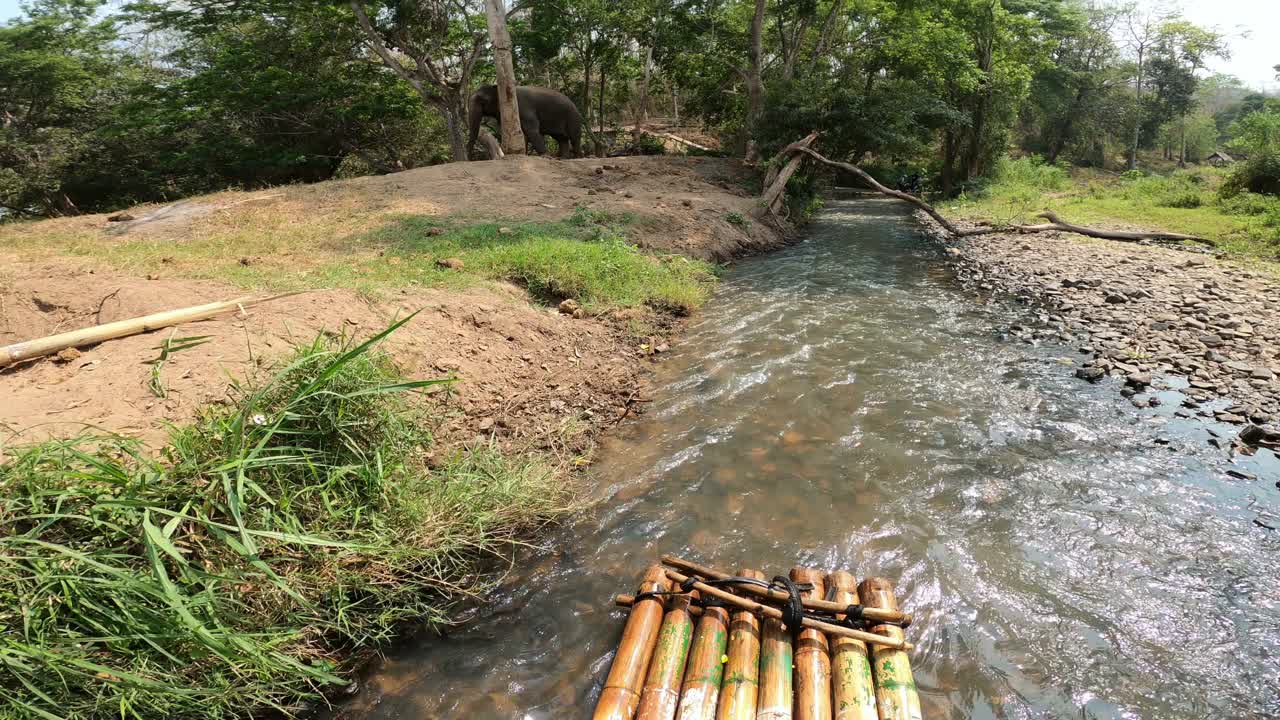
[[1252, 26]]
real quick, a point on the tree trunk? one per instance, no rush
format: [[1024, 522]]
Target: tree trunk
[[675, 103], [1137, 115], [755, 83], [948, 161], [824, 40], [642, 114], [586, 91], [455, 124], [601, 100], [508, 103], [1182, 154]]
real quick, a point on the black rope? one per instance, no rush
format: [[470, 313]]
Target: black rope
[[793, 611]]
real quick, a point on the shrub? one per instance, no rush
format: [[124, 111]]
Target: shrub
[[235, 571], [1181, 200], [1259, 174], [1247, 203], [1030, 173]]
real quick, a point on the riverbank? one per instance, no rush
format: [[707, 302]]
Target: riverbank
[[543, 289], [1150, 317]]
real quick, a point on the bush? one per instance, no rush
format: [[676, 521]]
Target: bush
[[1181, 200], [1247, 203], [1259, 174], [236, 571], [1030, 173]]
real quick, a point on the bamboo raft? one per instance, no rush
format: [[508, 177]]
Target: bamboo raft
[[700, 644]]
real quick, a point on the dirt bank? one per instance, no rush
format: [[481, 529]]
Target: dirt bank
[[528, 375], [1151, 317]]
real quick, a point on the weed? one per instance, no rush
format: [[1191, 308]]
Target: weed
[[737, 218], [168, 347], [239, 569]]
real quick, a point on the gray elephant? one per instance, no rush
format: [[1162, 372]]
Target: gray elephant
[[542, 112]]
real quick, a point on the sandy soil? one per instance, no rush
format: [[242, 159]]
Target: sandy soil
[[681, 203], [524, 371], [529, 375]]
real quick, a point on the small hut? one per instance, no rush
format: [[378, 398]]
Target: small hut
[[1219, 158]]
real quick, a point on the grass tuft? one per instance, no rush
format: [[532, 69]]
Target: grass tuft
[[240, 568]]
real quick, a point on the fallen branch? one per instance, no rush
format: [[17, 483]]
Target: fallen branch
[[40, 347], [776, 179], [1055, 223]]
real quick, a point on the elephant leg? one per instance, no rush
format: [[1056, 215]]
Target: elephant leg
[[562, 146], [535, 139]]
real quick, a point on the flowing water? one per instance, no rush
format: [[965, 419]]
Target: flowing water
[[844, 404]]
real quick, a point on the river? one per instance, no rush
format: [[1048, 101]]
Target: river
[[844, 404]]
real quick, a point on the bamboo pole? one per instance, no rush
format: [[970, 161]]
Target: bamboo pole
[[705, 670], [661, 695], [812, 659], [692, 568], [40, 347], [773, 612], [896, 697], [621, 692], [741, 686], [775, 671], [623, 600], [853, 695]]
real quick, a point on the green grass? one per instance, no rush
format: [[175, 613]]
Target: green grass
[[1185, 201], [248, 564], [585, 256]]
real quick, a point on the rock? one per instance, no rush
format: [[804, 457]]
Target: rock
[[1211, 340], [569, 306], [505, 230], [661, 347], [1138, 379], [120, 217], [1116, 298], [687, 203], [485, 424], [450, 263], [1258, 435], [434, 231], [1262, 374], [1092, 374], [67, 355], [599, 171]]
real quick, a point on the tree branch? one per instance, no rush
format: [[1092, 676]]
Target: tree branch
[[1055, 223]]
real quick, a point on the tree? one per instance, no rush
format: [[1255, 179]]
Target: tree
[[1141, 30], [433, 46], [508, 103], [755, 81], [58, 72]]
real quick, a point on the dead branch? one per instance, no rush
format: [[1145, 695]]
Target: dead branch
[[1055, 223], [776, 179]]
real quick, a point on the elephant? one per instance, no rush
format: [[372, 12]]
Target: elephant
[[542, 112]]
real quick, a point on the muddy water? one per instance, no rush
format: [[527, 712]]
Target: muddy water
[[843, 404]]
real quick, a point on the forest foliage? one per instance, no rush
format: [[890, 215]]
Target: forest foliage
[[109, 104]]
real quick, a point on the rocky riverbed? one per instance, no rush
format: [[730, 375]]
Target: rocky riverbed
[[1153, 318]]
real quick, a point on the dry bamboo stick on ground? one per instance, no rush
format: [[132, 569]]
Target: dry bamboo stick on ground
[[896, 642], [880, 614], [40, 347], [741, 686], [703, 674], [621, 692], [661, 695], [812, 659], [853, 695], [896, 697], [774, 702]]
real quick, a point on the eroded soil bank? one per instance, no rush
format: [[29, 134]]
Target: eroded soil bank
[[1153, 318]]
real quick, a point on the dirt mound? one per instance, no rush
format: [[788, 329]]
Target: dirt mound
[[527, 375], [697, 206]]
